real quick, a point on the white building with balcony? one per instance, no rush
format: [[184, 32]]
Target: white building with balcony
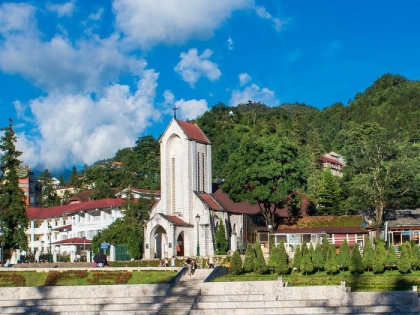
[[69, 229]]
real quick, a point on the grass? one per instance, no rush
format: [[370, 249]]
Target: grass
[[37, 279], [368, 281]]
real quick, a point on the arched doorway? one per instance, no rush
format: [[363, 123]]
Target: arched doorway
[[180, 244], [160, 243]]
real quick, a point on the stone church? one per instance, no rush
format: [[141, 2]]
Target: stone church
[[184, 220]]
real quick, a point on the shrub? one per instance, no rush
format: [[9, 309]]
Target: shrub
[[344, 255], [391, 257], [236, 264], [415, 257], [297, 258], [404, 263], [260, 266], [282, 264], [221, 242], [249, 261], [306, 265], [368, 255], [318, 258], [274, 256], [356, 265], [331, 265]]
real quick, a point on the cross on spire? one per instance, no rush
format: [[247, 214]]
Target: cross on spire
[[175, 109]]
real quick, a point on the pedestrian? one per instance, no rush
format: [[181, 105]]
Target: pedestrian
[[193, 266], [211, 262], [166, 263], [188, 263], [173, 262]]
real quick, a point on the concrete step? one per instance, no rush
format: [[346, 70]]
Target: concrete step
[[371, 310], [199, 304]]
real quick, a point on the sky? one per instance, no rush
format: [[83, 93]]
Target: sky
[[83, 79]]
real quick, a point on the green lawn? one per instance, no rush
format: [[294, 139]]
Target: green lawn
[[36, 279], [368, 281]]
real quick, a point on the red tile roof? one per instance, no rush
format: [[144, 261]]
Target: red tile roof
[[74, 240], [193, 131], [38, 213], [145, 191], [62, 228], [210, 201], [329, 230], [327, 159], [175, 220]]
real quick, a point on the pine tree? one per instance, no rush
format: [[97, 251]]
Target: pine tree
[[250, 257], [274, 256], [48, 196], [221, 241], [62, 180], [344, 255], [368, 255], [391, 257], [306, 265], [311, 250], [74, 178], [380, 256], [236, 264], [331, 265], [356, 265], [304, 249], [260, 265], [297, 258], [415, 257], [404, 263], [318, 258], [282, 264], [12, 199], [329, 195]]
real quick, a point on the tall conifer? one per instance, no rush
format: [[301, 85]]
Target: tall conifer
[[282, 265], [250, 257], [344, 255], [391, 257], [404, 263], [297, 258], [331, 265], [318, 258], [368, 255], [236, 264], [356, 265], [260, 265], [12, 200]]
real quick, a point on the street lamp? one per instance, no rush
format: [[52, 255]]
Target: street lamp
[[1, 245], [50, 254], [84, 246], [197, 218]]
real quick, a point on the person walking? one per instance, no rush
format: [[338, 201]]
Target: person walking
[[173, 262], [188, 262], [211, 262]]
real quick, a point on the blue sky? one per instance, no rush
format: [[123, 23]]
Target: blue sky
[[82, 79]]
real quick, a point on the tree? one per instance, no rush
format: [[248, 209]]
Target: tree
[[250, 256], [274, 256], [260, 265], [318, 259], [356, 265], [415, 257], [236, 264], [331, 265], [368, 255], [391, 257], [74, 178], [380, 170], [62, 180], [265, 170], [48, 196], [297, 258], [404, 263], [344, 255], [306, 265], [282, 264], [13, 219], [329, 195], [380, 257], [221, 241]]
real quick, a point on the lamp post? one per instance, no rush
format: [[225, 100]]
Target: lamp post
[[1, 245], [84, 246], [50, 254], [197, 219], [42, 251]]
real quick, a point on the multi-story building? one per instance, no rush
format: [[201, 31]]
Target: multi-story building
[[70, 228], [334, 162]]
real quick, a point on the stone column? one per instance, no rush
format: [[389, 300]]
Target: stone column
[[233, 242]]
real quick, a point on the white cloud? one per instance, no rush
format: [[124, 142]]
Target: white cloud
[[74, 129], [230, 43], [252, 92], [96, 16], [193, 66], [59, 64], [191, 109], [65, 9], [147, 23], [244, 78], [262, 13]]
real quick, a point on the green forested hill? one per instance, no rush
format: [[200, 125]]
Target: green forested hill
[[377, 132]]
